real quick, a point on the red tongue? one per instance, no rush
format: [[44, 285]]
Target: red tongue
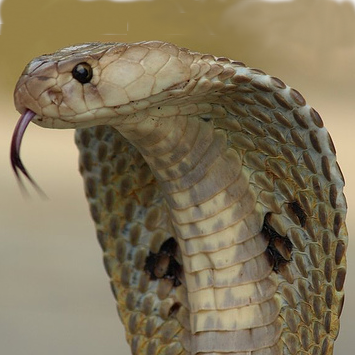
[[16, 162]]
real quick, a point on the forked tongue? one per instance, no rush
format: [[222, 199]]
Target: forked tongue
[[16, 162]]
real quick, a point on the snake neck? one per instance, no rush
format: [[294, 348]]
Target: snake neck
[[218, 226]]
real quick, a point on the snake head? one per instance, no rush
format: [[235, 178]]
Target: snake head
[[98, 83], [94, 84], [61, 88]]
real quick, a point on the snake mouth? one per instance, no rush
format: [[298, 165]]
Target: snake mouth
[[16, 161]]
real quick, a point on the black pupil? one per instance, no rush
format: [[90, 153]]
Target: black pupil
[[82, 72]]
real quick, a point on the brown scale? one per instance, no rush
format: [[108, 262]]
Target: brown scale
[[298, 211], [279, 249], [163, 265]]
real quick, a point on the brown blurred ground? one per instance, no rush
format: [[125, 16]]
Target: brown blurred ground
[[54, 295]]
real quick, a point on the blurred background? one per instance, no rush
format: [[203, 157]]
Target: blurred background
[[54, 295]]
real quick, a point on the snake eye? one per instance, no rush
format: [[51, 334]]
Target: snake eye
[[82, 72]]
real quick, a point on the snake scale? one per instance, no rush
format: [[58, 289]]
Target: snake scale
[[215, 193]]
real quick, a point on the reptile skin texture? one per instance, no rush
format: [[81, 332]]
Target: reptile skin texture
[[215, 192]]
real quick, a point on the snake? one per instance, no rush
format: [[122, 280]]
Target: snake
[[215, 192]]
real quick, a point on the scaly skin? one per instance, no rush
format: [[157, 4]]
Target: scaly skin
[[227, 161]]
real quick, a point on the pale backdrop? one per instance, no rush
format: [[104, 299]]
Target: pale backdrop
[[54, 295]]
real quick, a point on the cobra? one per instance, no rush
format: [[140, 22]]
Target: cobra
[[215, 192]]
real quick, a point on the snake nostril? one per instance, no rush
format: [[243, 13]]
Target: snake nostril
[[56, 97]]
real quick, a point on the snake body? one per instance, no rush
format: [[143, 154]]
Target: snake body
[[215, 193]]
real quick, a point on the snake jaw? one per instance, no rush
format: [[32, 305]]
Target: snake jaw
[[16, 161]]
